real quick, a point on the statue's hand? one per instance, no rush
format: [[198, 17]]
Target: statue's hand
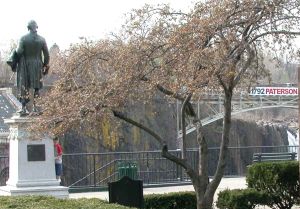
[[12, 65], [46, 69]]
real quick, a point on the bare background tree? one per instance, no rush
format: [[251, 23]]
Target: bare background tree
[[6, 74]]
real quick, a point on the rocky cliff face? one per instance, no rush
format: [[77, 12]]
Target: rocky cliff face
[[160, 117], [260, 128], [245, 133]]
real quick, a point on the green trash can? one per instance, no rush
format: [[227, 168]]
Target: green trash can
[[127, 169]]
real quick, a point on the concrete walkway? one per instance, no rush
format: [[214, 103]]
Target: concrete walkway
[[226, 183]]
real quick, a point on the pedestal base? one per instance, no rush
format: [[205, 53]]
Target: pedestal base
[[56, 191], [31, 163]]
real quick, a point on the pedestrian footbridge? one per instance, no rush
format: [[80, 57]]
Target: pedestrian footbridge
[[257, 98]]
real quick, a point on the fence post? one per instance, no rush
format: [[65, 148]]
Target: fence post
[[94, 162], [259, 157], [179, 170], [293, 156], [147, 164]]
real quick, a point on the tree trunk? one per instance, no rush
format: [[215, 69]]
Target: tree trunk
[[299, 118], [206, 201], [203, 201], [201, 184], [204, 204]]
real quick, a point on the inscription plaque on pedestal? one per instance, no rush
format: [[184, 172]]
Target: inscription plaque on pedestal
[[36, 152]]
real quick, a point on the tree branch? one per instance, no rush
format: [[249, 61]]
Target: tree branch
[[222, 83], [122, 116], [182, 162], [245, 67], [225, 141], [184, 105], [281, 32], [191, 111]]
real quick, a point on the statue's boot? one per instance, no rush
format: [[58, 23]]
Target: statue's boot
[[35, 110], [22, 111]]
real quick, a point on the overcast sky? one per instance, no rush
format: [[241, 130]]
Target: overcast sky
[[64, 21]]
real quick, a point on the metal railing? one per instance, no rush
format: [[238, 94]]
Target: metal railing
[[95, 170], [4, 169]]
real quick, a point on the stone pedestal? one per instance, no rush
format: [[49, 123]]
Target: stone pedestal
[[31, 163]]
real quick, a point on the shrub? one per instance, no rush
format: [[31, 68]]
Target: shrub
[[279, 179], [241, 199], [178, 200]]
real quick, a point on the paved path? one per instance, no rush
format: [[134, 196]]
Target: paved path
[[230, 183]]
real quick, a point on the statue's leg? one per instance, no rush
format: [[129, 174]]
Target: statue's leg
[[36, 94], [24, 99], [23, 110]]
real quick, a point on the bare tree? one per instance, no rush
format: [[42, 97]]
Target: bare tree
[[217, 45], [6, 73]]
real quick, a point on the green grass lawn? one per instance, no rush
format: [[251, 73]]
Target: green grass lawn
[[43, 202]]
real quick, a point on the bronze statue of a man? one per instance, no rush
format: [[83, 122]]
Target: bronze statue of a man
[[31, 61]]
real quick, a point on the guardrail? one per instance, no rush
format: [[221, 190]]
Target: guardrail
[[4, 169], [92, 171], [95, 170]]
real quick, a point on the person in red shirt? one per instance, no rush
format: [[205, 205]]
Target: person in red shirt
[[58, 158]]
